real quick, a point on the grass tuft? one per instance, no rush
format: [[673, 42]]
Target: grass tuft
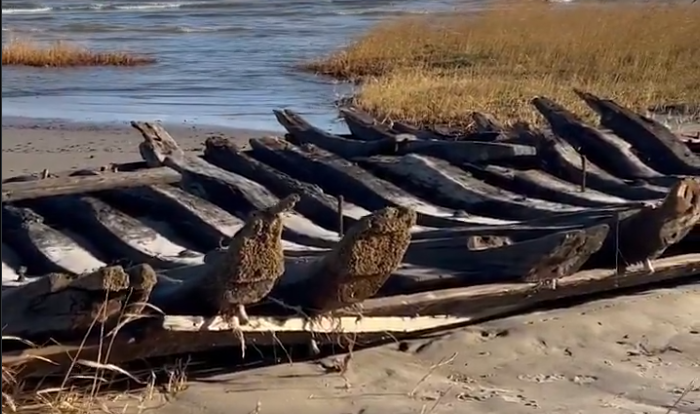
[[20, 52], [435, 69]]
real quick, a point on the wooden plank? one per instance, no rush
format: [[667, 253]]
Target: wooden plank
[[320, 325], [183, 334], [49, 187], [466, 301]]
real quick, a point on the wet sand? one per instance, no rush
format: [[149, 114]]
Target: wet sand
[[31, 146]]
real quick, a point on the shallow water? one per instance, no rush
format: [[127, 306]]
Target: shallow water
[[220, 62]]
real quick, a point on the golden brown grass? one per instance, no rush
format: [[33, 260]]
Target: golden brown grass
[[436, 69], [88, 386], [21, 52]]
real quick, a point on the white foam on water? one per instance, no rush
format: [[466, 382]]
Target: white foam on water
[[27, 11]]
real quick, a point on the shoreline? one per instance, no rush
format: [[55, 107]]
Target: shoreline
[[31, 145]]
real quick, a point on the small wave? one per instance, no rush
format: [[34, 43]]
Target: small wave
[[22, 29], [124, 7], [31, 10], [128, 29]]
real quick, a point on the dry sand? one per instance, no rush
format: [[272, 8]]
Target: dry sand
[[631, 354]]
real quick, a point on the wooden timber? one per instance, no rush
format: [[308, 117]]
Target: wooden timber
[[15, 191]]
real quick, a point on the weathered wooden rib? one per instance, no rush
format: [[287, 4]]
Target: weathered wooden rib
[[43, 248], [204, 224], [116, 233], [457, 189], [69, 306], [22, 190], [459, 152], [200, 221], [313, 201], [463, 151], [536, 183], [550, 257], [420, 133], [562, 160], [306, 133], [364, 127], [591, 142], [659, 147], [338, 176], [234, 193]]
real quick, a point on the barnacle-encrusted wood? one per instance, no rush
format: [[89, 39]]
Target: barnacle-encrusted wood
[[362, 261], [62, 304], [247, 269], [654, 229]]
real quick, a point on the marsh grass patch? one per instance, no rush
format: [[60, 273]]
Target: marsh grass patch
[[61, 54], [434, 69]]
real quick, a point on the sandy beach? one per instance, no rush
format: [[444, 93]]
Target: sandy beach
[[33, 145], [630, 354]]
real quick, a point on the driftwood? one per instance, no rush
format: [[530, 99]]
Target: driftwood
[[659, 147], [234, 193], [61, 305], [14, 191], [204, 224], [338, 176]]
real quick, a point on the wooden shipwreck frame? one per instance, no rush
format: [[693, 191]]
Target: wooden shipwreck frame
[[311, 238]]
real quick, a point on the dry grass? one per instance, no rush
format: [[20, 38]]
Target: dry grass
[[21, 52], [88, 386], [436, 69]]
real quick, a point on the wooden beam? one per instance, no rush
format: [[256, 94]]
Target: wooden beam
[[460, 302], [49, 187], [185, 334]]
